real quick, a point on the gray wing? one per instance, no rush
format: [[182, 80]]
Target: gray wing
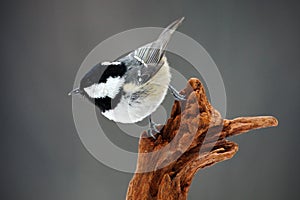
[[148, 58], [141, 74]]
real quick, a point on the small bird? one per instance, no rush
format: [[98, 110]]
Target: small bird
[[131, 88]]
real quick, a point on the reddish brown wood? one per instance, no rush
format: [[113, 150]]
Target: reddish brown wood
[[193, 138]]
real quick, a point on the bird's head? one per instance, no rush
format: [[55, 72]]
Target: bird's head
[[103, 81]]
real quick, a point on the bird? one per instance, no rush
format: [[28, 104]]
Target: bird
[[131, 88]]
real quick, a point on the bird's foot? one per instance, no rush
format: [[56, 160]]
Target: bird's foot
[[152, 128], [177, 96]]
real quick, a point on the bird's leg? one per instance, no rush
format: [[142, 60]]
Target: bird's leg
[[177, 96], [152, 128]]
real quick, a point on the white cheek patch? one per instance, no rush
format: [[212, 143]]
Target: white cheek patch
[[111, 63], [108, 89]]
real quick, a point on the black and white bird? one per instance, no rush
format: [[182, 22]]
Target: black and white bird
[[131, 88]]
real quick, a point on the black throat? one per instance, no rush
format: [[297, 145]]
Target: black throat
[[107, 103]]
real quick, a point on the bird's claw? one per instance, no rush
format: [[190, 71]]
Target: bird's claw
[[177, 96], [153, 129]]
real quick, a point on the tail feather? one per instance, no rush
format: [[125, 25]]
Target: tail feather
[[153, 52], [167, 33]]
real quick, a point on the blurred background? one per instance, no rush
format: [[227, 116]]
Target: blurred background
[[255, 44]]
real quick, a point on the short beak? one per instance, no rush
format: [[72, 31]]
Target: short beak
[[75, 91]]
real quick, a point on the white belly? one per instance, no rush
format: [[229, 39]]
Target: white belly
[[129, 112]]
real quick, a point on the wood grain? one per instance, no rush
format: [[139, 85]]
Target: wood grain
[[193, 138]]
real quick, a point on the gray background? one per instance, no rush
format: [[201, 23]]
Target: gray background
[[255, 44]]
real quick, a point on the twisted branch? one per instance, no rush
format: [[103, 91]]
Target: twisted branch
[[193, 138]]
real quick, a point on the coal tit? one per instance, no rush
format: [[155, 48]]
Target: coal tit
[[129, 89]]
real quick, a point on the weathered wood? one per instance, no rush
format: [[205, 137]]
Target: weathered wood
[[193, 138]]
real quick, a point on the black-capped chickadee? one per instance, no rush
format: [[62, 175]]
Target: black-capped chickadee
[[131, 88]]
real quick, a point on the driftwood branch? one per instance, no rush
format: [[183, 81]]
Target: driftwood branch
[[193, 138]]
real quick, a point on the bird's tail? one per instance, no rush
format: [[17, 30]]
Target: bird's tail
[[167, 33], [152, 53]]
